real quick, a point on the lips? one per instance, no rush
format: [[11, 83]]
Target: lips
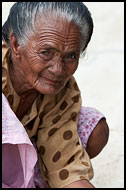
[[52, 82]]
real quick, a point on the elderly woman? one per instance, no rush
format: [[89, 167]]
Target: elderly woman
[[43, 43]]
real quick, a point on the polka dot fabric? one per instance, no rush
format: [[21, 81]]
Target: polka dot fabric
[[87, 120], [51, 122]]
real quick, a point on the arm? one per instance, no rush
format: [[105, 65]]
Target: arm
[[80, 184], [98, 138]]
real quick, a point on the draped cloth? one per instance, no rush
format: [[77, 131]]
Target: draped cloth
[[51, 123], [18, 154]]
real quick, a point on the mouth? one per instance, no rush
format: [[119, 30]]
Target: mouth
[[52, 82]]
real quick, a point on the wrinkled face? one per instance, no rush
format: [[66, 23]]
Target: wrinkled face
[[51, 55]]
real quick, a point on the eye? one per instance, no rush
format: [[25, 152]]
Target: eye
[[71, 57], [46, 54]]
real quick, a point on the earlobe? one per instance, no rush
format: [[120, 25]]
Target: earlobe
[[15, 47]]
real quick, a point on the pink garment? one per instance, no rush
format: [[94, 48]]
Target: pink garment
[[18, 154], [20, 168], [87, 121]]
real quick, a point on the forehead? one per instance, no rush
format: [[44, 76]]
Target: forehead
[[58, 29]]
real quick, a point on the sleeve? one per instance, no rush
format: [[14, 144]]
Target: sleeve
[[87, 121], [62, 158], [18, 154]]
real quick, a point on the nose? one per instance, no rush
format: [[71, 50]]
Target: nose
[[57, 69]]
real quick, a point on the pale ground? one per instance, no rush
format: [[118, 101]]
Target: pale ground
[[100, 76]]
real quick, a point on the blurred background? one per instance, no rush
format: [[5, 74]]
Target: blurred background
[[100, 76]]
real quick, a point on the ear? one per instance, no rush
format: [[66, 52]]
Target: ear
[[15, 47]]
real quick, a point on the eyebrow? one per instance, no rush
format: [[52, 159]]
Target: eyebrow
[[49, 47]]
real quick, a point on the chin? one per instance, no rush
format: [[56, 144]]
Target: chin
[[50, 91]]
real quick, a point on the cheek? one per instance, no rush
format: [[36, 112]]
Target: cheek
[[37, 64], [34, 64], [32, 59], [37, 68], [71, 68]]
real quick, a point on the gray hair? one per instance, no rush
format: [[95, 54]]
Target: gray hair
[[22, 17]]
